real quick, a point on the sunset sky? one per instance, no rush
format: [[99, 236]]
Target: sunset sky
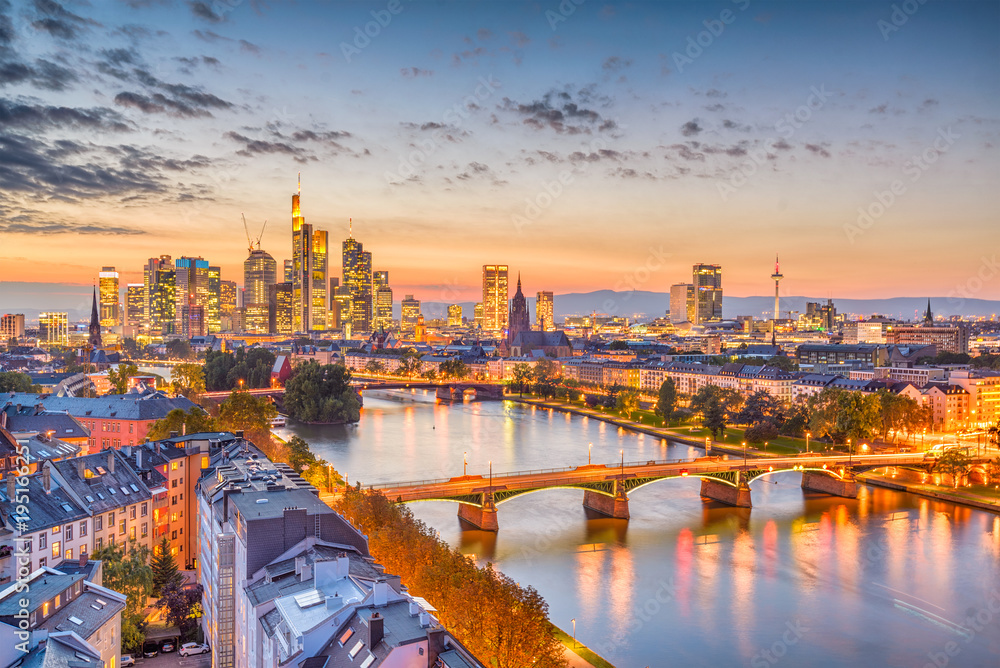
[[134, 128]]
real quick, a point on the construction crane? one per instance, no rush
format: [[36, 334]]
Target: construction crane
[[250, 242]]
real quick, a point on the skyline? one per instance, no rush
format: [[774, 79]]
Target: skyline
[[213, 115]]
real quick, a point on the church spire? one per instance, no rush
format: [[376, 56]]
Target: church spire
[[95, 324], [928, 316]]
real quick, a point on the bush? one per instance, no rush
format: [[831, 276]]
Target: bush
[[763, 431]]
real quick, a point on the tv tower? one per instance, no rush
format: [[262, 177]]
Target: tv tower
[[776, 277]]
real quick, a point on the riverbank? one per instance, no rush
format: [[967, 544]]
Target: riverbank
[[938, 492], [577, 654]]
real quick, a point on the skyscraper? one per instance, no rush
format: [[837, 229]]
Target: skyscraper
[[279, 308], [519, 320], [213, 313], [477, 315], [158, 302], [287, 275], [53, 328], [11, 326], [191, 296], [682, 303], [495, 297], [318, 289], [383, 300], [455, 315], [410, 314], [259, 274], [545, 312], [301, 267], [357, 273], [342, 305], [110, 312], [135, 296], [228, 301], [707, 280]]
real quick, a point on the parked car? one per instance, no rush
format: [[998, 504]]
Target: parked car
[[127, 661], [167, 646], [192, 648], [150, 649]]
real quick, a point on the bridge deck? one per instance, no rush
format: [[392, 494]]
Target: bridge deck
[[546, 478]]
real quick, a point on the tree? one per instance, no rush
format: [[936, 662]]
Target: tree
[[375, 367], [119, 377], [315, 470], [857, 415], [453, 368], [188, 379], [316, 393], [130, 347], [620, 344], [626, 402], [715, 417], [822, 410], [760, 407], [430, 374], [545, 371], [15, 381], [761, 432], [520, 375], [192, 421], [164, 567], [409, 363], [796, 421], [782, 362], [242, 411], [667, 403], [179, 349], [128, 572], [955, 463], [182, 605]]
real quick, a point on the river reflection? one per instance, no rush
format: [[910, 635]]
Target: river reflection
[[801, 579]]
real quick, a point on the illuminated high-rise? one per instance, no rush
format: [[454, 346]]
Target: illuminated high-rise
[[495, 297], [707, 281], [545, 312], [287, 275], [191, 296], [455, 315], [357, 273], [382, 317], [110, 311], [53, 328], [280, 308], [302, 244], [229, 298], [135, 298], [341, 306], [682, 303], [318, 289], [477, 315], [410, 314], [259, 274], [11, 326], [213, 309], [158, 301]]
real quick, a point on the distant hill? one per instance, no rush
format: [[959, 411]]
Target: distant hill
[[31, 298]]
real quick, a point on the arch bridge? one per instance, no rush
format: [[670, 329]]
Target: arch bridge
[[606, 488]]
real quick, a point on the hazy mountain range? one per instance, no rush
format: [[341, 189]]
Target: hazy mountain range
[[31, 298]]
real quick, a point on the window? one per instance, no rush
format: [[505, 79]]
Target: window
[[83, 529], [111, 518], [69, 532], [43, 561], [144, 510], [173, 517], [121, 526], [204, 462], [69, 554], [98, 543], [56, 551], [173, 466], [130, 426], [56, 529], [145, 531], [173, 500], [98, 523], [173, 483], [42, 541], [131, 513], [131, 533], [173, 536], [45, 608], [182, 466]]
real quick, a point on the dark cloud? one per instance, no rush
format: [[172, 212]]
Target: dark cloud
[[41, 118], [782, 145], [209, 36], [691, 128], [519, 39], [252, 147], [178, 100], [415, 72], [880, 109], [202, 11], [818, 150], [559, 111], [484, 34], [688, 152], [715, 107], [48, 228], [59, 22], [249, 47], [616, 64], [733, 125], [476, 170], [714, 92]]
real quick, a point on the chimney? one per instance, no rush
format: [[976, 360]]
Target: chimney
[[157, 447], [111, 461], [435, 644], [300, 563], [3, 419], [343, 565], [376, 630], [380, 592], [79, 467], [10, 488], [334, 602], [83, 557], [425, 619], [47, 476]]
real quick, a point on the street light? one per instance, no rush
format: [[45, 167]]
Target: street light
[[590, 447], [623, 463], [491, 475], [808, 434], [850, 453], [465, 463], [744, 454], [574, 631]]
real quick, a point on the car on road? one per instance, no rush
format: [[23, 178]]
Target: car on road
[[192, 648], [127, 660], [150, 649], [167, 646]]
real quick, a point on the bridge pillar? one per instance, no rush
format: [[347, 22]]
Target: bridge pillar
[[445, 393], [725, 493], [482, 517], [613, 506], [815, 481]]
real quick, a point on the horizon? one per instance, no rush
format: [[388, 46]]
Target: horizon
[[587, 150]]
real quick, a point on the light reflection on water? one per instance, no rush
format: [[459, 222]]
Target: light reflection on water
[[887, 579]]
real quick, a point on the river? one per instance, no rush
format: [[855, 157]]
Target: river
[[889, 579]]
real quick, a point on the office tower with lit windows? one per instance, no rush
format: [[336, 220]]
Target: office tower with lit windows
[[191, 296], [707, 281], [287, 275], [279, 308], [11, 327], [357, 275], [343, 305], [410, 314], [477, 315], [455, 315], [545, 312], [158, 312], [495, 297], [259, 274], [682, 303], [110, 311], [213, 310], [318, 289], [382, 317], [135, 295], [53, 328], [229, 298], [302, 244]]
